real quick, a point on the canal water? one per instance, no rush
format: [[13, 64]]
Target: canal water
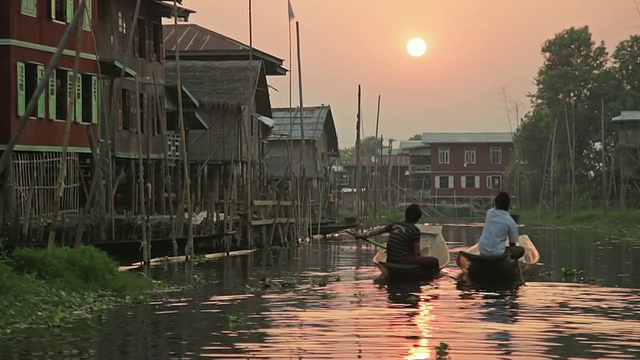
[[324, 301]]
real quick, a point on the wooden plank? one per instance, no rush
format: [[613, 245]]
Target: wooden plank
[[271, 203], [272, 221]]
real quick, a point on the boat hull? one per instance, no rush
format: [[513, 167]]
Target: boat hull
[[497, 269], [432, 243]]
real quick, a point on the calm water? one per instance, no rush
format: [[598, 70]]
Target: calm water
[[592, 314]]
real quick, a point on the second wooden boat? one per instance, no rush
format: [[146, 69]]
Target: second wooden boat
[[496, 269]]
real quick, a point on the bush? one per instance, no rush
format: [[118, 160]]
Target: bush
[[86, 268]]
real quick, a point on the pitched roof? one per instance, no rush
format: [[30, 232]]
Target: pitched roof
[[317, 120], [628, 116], [220, 83], [466, 138], [198, 43]]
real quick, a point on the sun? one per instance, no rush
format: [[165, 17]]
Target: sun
[[416, 47]]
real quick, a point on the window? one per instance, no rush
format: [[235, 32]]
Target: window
[[142, 106], [494, 182], [443, 155], [88, 15], [61, 10], [29, 7], [444, 182], [496, 155], [87, 99], [125, 104], [61, 95], [122, 29], [141, 39], [77, 106], [470, 182], [157, 42], [469, 155], [53, 90], [29, 76]]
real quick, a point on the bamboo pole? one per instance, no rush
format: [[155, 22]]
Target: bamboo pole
[[303, 176], [185, 161], [166, 173], [604, 169], [67, 131], [146, 243], [250, 150], [375, 171], [358, 174]]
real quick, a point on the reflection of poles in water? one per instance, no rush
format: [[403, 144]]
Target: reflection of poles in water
[[501, 307]]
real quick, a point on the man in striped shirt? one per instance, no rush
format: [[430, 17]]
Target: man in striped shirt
[[403, 244]]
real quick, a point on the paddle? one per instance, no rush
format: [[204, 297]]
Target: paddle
[[372, 242]]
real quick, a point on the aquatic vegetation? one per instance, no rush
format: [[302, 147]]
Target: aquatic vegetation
[[236, 318], [442, 351], [53, 287]]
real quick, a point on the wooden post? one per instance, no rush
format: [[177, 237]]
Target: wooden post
[[303, 171], [605, 199], [67, 132], [185, 155], [146, 242], [358, 174], [166, 173], [376, 168]]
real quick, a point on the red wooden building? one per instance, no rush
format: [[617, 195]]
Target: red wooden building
[[468, 164]]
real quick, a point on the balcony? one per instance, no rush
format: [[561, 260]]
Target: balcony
[[419, 169]]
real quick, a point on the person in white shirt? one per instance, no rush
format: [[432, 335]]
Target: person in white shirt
[[498, 225]]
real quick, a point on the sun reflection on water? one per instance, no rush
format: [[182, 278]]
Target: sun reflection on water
[[423, 320]]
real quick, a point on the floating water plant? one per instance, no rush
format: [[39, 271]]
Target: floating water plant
[[442, 351]]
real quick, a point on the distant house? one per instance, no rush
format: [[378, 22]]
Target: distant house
[[228, 110], [627, 125], [418, 174], [468, 164], [321, 142]]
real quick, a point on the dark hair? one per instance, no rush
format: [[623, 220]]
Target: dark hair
[[503, 201], [412, 214]]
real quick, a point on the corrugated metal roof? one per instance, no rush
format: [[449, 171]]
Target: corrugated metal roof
[[411, 144], [314, 119], [317, 120], [628, 116], [467, 138], [196, 41]]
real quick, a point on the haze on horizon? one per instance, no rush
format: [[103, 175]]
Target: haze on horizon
[[475, 49]]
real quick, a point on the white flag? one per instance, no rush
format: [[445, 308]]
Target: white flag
[[291, 14]]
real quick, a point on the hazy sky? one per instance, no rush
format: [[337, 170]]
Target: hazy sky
[[476, 47]]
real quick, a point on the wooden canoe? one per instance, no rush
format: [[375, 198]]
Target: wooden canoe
[[432, 243], [496, 269]]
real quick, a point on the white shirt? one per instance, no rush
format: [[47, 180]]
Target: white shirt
[[497, 226]]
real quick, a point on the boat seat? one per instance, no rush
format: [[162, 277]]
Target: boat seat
[[400, 266], [485, 258]]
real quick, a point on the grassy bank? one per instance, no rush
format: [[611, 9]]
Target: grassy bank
[[54, 287], [616, 222]]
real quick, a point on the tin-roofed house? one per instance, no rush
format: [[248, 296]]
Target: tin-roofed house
[[321, 145], [627, 125]]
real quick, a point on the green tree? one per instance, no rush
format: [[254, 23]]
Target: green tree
[[416, 137]]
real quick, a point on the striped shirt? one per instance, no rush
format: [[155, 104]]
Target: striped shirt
[[402, 239]]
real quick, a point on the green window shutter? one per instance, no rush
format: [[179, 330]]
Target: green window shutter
[[52, 96], [87, 16], [94, 99], [52, 8], [69, 92], [78, 117], [69, 11], [21, 89], [28, 7], [41, 98]]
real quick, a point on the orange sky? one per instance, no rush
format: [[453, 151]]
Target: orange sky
[[476, 47]]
